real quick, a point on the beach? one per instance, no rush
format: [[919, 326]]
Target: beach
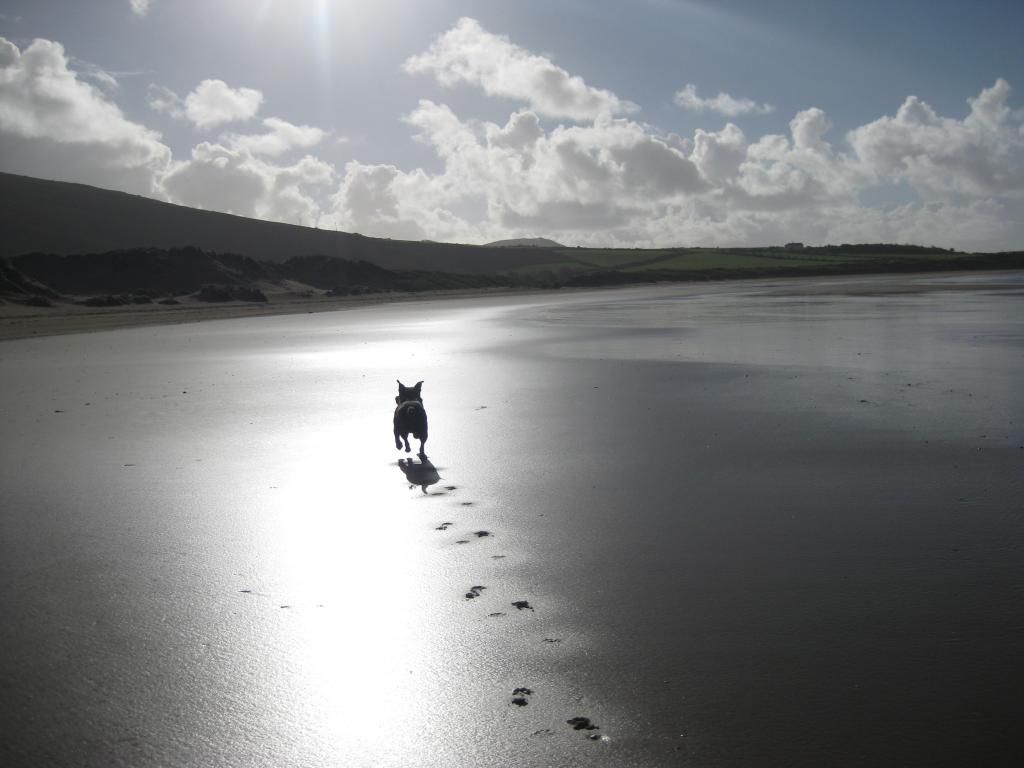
[[19, 321], [772, 523]]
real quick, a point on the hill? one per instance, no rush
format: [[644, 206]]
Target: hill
[[526, 242], [67, 242], [62, 218], [141, 275]]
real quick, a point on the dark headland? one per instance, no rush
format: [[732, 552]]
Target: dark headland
[[79, 257]]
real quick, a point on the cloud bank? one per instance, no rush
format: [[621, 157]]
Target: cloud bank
[[570, 162], [280, 138]]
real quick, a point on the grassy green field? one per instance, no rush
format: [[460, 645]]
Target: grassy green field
[[707, 259], [700, 259], [599, 266], [614, 258]]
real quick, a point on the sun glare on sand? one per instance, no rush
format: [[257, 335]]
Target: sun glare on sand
[[347, 578], [350, 568]]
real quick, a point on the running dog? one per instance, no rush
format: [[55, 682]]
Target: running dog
[[410, 417]]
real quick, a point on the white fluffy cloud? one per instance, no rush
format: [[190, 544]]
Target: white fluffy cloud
[[368, 201], [467, 53], [218, 178], [580, 180], [233, 180], [723, 103], [798, 172], [718, 155], [214, 102], [209, 104], [280, 137], [947, 159], [54, 124]]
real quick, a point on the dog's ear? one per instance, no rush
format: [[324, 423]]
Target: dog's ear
[[400, 384], [418, 385]]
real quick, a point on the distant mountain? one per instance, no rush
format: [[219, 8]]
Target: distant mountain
[[62, 218], [525, 242]]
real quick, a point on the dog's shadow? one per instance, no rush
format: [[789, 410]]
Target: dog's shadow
[[421, 473]]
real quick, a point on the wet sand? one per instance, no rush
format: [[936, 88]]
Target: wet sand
[[19, 322], [748, 524]]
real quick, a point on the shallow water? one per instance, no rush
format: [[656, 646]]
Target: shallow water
[[751, 528]]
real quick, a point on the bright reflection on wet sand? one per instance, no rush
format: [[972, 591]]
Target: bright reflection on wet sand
[[347, 549], [350, 572]]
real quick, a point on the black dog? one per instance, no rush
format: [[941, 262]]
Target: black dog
[[410, 417]]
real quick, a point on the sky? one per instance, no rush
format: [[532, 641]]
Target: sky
[[649, 123]]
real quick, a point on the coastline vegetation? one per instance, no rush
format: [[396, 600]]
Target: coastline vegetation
[[138, 276]]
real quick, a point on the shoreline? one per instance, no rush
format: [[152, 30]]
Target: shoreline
[[21, 322], [18, 321]]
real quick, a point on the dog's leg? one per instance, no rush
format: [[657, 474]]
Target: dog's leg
[[398, 442], [423, 453], [407, 448]]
